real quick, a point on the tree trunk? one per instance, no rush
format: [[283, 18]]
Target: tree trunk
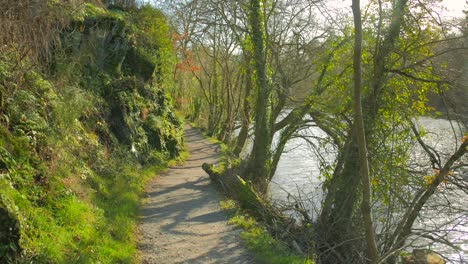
[[259, 164], [244, 132], [335, 227], [372, 252], [279, 148], [403, 230]]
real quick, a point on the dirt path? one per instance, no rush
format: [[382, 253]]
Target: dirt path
[[180, 221]]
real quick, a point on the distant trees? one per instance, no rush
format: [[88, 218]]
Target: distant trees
[[240, 66], [266, 69]]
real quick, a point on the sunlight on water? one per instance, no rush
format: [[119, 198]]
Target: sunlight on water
[[298, 179]]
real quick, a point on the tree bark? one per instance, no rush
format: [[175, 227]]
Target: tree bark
[[259, 163], [372, 251], [244, 132], [336, 220]]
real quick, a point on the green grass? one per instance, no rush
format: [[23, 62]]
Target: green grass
[[265, 248], [72, 229], [183, 155], [69, 186], [120, 201]]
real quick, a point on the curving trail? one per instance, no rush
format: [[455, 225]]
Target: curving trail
[[180, 221]]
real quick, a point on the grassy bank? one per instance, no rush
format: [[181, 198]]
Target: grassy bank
[[85, 122], [259, 241]]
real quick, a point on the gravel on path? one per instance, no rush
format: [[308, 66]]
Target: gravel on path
[[180, 220]]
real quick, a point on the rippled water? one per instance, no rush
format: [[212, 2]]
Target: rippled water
[[298, 179]]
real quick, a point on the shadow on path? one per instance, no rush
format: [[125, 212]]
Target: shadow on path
[[180, 221]]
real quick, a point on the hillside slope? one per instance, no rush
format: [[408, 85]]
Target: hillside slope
[[85, 120]]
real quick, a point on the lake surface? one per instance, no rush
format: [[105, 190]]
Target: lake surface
[[297, 179]]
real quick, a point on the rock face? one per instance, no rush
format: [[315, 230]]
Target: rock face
[[421, 256], [124, 73]]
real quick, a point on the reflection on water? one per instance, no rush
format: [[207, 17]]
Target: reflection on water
[[298, 178]]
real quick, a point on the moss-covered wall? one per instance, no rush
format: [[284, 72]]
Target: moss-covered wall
[[120, 57]]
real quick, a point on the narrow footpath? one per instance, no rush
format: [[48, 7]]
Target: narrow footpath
[[180, 221]]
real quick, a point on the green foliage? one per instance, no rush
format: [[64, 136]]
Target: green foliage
[[90, 11], [139, 63], [388, 133], [70, 184], [153, 37], [265, 248]]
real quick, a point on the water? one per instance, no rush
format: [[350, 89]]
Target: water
[[297, 180]]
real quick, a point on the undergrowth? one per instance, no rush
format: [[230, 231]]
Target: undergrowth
[[80, 135], [265, 248]]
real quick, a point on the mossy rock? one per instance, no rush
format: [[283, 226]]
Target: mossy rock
[[139, 64], [161, 135], [120, 96], [125, 84], [104, 43], [118, 124]]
